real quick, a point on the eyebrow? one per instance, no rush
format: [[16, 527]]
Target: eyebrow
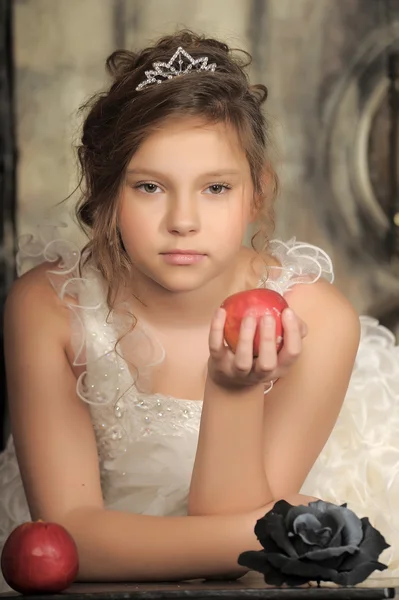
[[150, 173]]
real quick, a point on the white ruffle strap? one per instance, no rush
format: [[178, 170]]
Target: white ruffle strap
[[95, 330], [300, 263]]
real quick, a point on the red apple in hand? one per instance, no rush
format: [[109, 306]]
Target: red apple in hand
[[39, 557], [257, 303]]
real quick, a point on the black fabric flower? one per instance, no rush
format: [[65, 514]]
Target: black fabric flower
[[319, 542]]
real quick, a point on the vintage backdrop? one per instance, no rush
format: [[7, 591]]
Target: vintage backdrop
[[330, 66], [332, 69]]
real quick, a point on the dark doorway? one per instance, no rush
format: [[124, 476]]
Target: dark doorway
[[7, 185]]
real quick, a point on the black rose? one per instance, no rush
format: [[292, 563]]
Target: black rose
[[319, 542]]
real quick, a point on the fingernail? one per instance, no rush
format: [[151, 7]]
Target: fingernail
[[289, 313]]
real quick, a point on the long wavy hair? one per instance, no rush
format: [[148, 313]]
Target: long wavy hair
[[118, 120]]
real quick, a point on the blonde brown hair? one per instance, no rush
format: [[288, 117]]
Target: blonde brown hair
[[119, 120]]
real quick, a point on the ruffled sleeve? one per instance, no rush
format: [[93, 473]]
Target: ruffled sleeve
[[95, 330], [82, 292], [74, 289], [299, 263]]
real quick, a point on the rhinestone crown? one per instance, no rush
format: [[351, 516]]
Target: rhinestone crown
[[181, 63]]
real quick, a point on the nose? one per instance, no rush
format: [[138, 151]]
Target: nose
[[182, 216]]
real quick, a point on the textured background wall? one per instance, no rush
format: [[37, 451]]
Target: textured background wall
[[304, 50]]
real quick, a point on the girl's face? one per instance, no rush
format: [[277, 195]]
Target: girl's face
[[185, 204]]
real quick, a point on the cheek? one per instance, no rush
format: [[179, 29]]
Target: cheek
[[230, 223], [226, 237], [136, 231]]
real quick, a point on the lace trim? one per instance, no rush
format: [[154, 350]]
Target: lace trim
[[95, 332]]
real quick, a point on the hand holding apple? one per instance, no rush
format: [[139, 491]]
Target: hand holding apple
[[254, 338], [257, 302]]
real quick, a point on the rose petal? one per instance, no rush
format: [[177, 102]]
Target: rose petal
[[254, 559], [352, 533], [269, 545], [336, 539], [335, 562], [358, 567], [300, 547], [257, 561], [359, 573], [335, 521], [310, 530], [295, 512], [272, 526], [321, 505], [310, 521], [281, 507], [309, 570], [262, 525], [373, 542], [369, 550], [274, 577], [325, 553], [262, 528], [332, 516], [324, 519]]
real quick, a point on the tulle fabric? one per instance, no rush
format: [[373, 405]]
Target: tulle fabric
[[147, 442], [360, 462]]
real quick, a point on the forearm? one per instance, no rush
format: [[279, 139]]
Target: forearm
[[229, 475], [118, 546]]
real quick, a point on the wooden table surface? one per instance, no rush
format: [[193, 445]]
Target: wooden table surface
[[251, 587]]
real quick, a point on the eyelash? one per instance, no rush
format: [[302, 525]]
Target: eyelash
[[225, 186]]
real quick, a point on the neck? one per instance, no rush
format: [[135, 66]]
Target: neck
[[160, 307]]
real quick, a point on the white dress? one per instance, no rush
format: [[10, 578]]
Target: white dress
[[147, 442]]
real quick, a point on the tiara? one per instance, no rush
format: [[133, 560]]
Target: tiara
[[162, 71]]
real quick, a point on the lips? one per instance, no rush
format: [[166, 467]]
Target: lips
[[183, 252], [183, 257]]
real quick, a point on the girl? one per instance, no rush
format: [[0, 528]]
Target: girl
[[132, 422]]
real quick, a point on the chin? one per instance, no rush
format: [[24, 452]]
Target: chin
[[181, 287], [183, 281]]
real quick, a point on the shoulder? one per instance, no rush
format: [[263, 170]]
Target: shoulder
[[33, 304], [318, 302], [327, 312]]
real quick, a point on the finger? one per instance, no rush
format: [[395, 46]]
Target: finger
[[216, 333], [292, 338], [244, 355], [267, 359]]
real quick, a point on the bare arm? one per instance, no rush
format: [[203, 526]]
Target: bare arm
[[301, 410], [297, 416], [229, 475], [58, 459]]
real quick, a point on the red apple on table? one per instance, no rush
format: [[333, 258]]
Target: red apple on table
[[39, 557], [257, 303]]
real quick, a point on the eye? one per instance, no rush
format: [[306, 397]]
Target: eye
[[218, 188], [148, 187]]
